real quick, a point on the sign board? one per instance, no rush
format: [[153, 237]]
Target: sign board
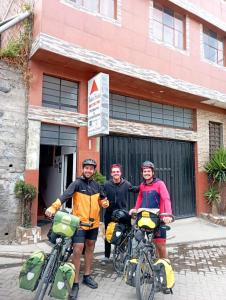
[[98, 105]]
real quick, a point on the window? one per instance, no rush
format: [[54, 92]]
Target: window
[[106, 8], [213, 46], [59, 93], [215, 136], [168, 26], [131, 109]]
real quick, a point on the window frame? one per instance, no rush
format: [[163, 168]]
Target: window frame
[[220, 38], [212, 139], [175, 15]]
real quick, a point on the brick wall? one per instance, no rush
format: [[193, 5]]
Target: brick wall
[[12, 146], [203, 119]]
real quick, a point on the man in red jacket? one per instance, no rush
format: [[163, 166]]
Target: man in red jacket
[[154, 194]]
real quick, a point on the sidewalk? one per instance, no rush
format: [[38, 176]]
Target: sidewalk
[[189, 230]]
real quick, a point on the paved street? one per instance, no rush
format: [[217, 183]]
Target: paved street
[[200, 271]]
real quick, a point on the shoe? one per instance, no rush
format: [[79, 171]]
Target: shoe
[[105, 261], [88, 280], [167, 291], [73, 295]]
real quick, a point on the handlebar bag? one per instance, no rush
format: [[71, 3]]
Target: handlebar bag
[[63, 281], [31, 270], [147, 220], [114, 233], [164, 274], [65, 224]]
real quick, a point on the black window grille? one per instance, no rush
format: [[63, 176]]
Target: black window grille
[[215, 137], [59, 93], [131, 109]]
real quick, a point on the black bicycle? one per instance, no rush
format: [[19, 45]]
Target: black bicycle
[[60, 254], [146, 281]]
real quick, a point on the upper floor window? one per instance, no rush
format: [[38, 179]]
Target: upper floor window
[[213, 46], [168, 26], [106, 8]]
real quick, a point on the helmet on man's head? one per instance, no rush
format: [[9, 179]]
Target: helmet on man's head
[[89, 162], [148, 164]]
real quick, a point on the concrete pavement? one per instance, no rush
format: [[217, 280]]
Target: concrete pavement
[[188, 230]]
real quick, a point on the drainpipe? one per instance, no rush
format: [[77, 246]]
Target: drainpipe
[[13, 22]]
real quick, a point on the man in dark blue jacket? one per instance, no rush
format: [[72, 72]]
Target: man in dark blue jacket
[[117, 192]]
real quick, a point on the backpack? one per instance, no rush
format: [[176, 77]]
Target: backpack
[[63, 281], [130, 272], [31, 270], [114, 233], [164, 274]]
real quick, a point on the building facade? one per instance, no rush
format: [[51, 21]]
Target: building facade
[[166, 65]]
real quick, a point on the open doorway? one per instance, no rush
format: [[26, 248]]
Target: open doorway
[[56, 171]]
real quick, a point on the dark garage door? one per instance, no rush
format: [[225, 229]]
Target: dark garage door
[[174, 162]]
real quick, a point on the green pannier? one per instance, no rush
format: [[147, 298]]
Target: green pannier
[[31, 270], [63, 281], [65, 224]]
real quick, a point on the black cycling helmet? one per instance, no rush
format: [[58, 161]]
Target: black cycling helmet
[[148, 164], [89, 162]]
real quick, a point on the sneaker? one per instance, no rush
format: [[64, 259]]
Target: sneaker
[[88, 280], [73, 295], [105, 261], [167, 291]]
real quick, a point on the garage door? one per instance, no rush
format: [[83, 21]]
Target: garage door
[[174, 161]]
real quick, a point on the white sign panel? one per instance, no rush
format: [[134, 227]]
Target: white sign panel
[[98, 105]]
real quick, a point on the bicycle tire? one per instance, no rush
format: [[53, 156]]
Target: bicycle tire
[[118, 259], [145, 279], [44, 281]]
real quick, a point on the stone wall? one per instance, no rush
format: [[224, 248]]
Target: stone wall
[[12, 146]]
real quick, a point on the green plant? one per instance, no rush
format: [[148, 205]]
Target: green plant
[[26, 193], [98, 177], [216, 166], [212, 196]]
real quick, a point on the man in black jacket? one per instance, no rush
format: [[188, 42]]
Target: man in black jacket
[[117, 192]]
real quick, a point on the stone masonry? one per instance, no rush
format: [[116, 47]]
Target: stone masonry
[[12, 146]]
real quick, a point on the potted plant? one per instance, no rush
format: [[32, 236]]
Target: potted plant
[[216, 170], [26, 193]]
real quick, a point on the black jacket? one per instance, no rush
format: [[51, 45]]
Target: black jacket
[[118, 195]]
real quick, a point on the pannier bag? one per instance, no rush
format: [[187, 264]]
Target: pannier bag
[[63, 281], [65, 224], [130, 272], [147, 220], [164, 274], [121, 216], [114, 233], [31, 270]]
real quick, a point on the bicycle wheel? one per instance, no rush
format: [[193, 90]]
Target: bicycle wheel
[[45, 279], [145, 279], [120, 254]]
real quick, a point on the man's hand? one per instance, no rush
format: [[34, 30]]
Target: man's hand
[[167, 220], [133, 210], [105, 203], [49, 212]]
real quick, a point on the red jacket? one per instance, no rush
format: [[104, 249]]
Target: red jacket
[[154, 195]]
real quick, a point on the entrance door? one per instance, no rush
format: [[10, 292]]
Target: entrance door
[[174, 161]]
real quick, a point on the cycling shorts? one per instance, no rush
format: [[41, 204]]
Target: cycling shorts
[[81, 235]]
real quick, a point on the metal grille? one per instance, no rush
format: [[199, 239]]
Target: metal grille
[[127, 108], [174, 161], [59, 93], [58, 135], [215, 137]]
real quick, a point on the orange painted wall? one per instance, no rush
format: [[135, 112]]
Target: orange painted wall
[[131, 42]]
